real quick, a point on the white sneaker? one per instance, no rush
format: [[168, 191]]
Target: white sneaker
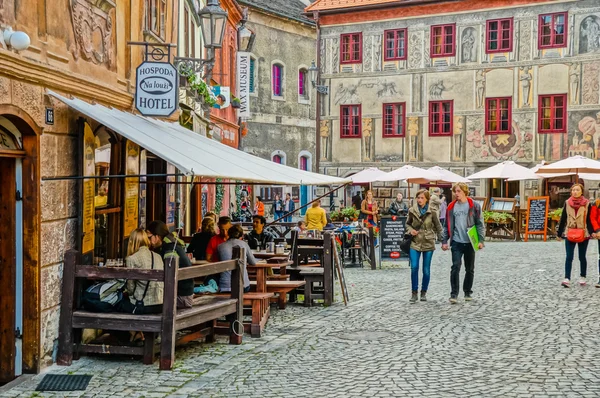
[[582, 281], [566, 283]]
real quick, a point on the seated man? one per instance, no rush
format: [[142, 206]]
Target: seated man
[[225, 250], [211, 250], [258, 238]]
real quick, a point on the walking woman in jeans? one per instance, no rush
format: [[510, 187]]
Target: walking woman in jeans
[[575, 221], [424, 225], [595, 220]]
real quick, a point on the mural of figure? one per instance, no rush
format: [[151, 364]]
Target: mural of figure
[[468, 45], [386, 89], [346, 95], [458, 134], [436, 90], [589, 35], [413, 132], [367, 133], [574, 73], [480, 86], [324, 133], [525, 79]]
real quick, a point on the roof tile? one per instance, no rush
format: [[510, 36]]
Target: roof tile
[[321, 5]]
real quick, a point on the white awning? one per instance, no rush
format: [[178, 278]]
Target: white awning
[[194, 154]]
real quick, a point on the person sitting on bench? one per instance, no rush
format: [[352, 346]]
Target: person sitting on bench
[[258, 238], [170, 246], [225, 250]]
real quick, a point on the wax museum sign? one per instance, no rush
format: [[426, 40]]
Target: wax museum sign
[[156, 89]]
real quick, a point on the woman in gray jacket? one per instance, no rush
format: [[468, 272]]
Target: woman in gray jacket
[[424, 226], [139, 256]]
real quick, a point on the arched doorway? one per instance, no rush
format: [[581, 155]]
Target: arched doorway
[[19, 244]]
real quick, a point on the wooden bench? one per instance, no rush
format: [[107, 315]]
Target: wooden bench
[[200, 319], [312, 277], [260, 310], [281, 288]]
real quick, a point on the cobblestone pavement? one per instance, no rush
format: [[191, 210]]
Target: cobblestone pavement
[[523, 335]]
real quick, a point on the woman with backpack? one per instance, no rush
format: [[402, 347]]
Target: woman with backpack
[[424, 226], [576, 228]]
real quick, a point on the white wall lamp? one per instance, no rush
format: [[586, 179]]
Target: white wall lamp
[[16, 40]]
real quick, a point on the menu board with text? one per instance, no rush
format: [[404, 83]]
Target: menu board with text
[[537, 216], [391, 232]]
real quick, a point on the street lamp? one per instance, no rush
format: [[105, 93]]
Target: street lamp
[[314, 77], [212, 22]]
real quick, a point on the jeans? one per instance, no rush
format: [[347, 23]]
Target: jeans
[[287, 219], [460, 250], [278, 215], [570, 248], [374, 225], [415, 256]]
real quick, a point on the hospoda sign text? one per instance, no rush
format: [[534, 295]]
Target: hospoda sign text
[[156, 89]]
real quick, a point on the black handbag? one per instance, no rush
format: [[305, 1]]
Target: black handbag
[[406, 242]]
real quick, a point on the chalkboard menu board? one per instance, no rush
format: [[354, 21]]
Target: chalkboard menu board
[[537, 216], [391, 232]]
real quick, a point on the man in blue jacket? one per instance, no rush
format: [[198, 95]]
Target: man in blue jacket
[[462, 214]]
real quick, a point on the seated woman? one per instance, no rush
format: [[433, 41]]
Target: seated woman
[[200, 240], [236, 234], [147, 296]]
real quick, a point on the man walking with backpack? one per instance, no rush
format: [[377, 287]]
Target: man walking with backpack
[[462, 214]]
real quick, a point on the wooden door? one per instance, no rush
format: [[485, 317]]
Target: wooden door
[[7, 268]]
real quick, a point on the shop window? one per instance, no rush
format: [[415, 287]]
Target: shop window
[[156, 11], [351, 48], [277, 79], [107, 199], [552, 30], [499, 37], [498, 115], [393, 119], [350, 121], [440, 118], [395, 44], [443, 41], [552, 113]]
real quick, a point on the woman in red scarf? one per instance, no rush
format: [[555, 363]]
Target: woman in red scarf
[[575, 221]]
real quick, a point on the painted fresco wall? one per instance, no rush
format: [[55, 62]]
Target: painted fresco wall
[[467, 78]]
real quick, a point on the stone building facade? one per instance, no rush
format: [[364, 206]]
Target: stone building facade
[[462, 84], [78, 48], [282, 101]]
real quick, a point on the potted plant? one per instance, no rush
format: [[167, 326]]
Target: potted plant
[[235, 102], [494, 217], [350, 213], [555, 215]]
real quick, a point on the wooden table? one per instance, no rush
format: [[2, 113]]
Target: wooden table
[[261, 274], [265, 256]]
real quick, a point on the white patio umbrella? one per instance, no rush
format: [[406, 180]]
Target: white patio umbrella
[[574, 164], [367, 175], [448, 176], [410, 174], [539, 175], [505, 170]]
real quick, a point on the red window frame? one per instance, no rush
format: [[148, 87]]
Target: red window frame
[[393, 42], [494, 118], [351, 125], [446, 48], [394, 120], [552, 117], [504, 36], [438, 127], [553, 35], [277, 78], [278, 159], [351, 48]]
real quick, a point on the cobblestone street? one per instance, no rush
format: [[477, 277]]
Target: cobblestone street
[[523, 335]]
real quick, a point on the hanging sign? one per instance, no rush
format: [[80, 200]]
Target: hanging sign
[[88, 209], [156, 89], [243, 69], [132, 184]]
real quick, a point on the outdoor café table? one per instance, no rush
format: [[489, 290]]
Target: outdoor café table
[[261, 274], [265, 256]]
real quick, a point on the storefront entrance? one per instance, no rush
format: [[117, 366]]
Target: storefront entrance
[[19, 247]]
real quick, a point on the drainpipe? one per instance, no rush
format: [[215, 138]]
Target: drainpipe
[[318, 102]]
